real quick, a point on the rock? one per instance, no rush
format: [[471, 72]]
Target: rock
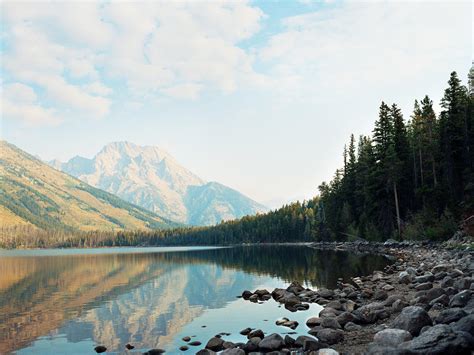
[[434, 293], [129, 347], [388, 288], [443, 300], [450, 315], [367, 314], [460, 299], [243, 332], [442, 340], [292, 324], [324, 293], [328, 312], [412, 319], [289, 341], [233, 351], [253, 298], [330, 336], [392, 337], [195, 343], [100, 349], [440, 268], [311, 345], [258, 333], [424, 286], [255, 340], [215, 344], [349, 306], [271, 342], [228, 345], [351, 327], [335, 305], [205, 352], [398, 305], [250, 347], [377, 276], [261, 293], [183, 348], [428, 277], [186, 338], [345, 318], [282, 321], [447, 282], [295, 287], [462, 284], [246, 294], [465, 324], [154, 352], [380, 295], [299, 342], [391, 300], [327, 351], [313, 322], [330, 323], [411, 271]]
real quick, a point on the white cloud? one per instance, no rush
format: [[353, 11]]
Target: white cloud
[[19, 92], [360, 45], [173, 48]]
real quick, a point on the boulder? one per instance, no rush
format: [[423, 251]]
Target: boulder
[[246, 294], [434, 293], [392, 337], [428, 277], [380, 295], [442, 300], [441, 340], [465, 324], [399, 305], [460, 299], [299, 342], [412, 319], [450, 315], [324, 293], [345, 318], [328, 312], [330, 336], [271, 342], [327, 351], [215, 344], [206, 352], [243, 331], [289, 341], [367, 314]]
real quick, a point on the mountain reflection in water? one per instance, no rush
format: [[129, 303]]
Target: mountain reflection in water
[[149, 298]]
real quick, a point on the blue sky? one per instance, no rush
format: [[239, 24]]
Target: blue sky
[[258, 95]]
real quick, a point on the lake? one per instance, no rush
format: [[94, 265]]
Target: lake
[[69, 301]]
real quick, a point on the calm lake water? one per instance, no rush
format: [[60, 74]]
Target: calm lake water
[[69, 301]]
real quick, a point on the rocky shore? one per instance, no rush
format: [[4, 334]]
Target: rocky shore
[[420, 304]]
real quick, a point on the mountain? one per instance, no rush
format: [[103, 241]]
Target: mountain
[[31, 192], [151, 178]]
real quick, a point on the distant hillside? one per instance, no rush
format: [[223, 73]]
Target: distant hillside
[[151, 178], [31, 192]]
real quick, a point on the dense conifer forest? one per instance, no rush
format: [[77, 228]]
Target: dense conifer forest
[[410, 179]]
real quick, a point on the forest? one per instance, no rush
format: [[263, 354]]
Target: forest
[[410, 179]]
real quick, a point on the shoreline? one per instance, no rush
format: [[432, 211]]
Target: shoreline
[[420, 304]]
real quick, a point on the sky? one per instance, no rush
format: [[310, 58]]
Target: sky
[[258, 95]]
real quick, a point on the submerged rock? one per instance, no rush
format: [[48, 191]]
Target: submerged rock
[[100, 349]]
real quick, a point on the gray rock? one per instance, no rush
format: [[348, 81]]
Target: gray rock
[[299, 342], [351, 327], [271, 342], [441, 340], [228, 345], [398, 305], [215, 344], [434, 293], [412, 319], [328, 312], [440, 268], [345, 318], [447, 282], [411, 271], [330, 323], [450, 315], [289, 341], [329, 294], [206, 352], [244, 331], [465, 324], [380, 295], [424, 286], [428, 277], [246, 294], [463, 284], [392, 337], [327, 351], [443, 300], [461, 299], [330, 336], [367, 314]]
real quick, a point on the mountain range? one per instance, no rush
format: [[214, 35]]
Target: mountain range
[[33, 193], [151, 178]]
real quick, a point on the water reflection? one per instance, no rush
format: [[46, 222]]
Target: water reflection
[[150, 299]]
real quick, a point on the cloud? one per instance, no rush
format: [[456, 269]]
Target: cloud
[[19, 102], [71, 51], [359, 45]]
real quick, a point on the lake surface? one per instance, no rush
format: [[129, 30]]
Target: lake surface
[[69, 301]]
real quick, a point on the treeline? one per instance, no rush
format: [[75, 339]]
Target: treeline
[[409, 179]]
